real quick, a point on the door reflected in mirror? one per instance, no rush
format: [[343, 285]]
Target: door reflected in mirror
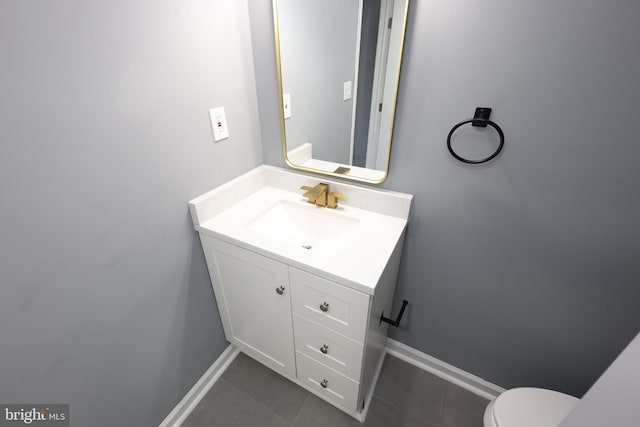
[[338, 67]]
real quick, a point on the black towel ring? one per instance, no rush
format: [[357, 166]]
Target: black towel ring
[[480, 119]]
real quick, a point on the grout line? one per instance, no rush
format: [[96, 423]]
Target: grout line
[[301, 408], [408, 414], [257, 402], [447, 384], [399, 409], [388, 403]]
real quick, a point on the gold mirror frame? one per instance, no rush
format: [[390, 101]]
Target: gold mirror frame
[[343, 171]]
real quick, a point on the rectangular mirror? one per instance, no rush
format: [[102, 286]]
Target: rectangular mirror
[[338, 71]]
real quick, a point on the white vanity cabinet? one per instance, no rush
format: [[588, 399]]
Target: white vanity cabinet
[[322, 335], [301, 288]]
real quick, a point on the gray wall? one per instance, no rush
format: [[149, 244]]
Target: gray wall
[[319, 115], [106, 303], [613, 400], [523, 271]]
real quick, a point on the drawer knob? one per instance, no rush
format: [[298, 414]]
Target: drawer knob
[[280, 290], [324, 383], [324, 306], [324, 349]]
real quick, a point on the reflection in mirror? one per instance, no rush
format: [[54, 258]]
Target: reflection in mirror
[[339, 65]]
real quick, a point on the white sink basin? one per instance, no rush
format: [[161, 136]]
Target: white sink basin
[[306, 225], [264, 211]]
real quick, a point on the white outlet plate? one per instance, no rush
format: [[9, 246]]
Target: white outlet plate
[[286, 103], [219, 124]]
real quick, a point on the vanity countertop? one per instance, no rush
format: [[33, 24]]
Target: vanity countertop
[[350, 245]]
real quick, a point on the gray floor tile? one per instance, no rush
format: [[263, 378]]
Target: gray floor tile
[[461, 408], [268, 388], [318, 413], [381, 414], [226, 406], [412, 390], [251, 395]]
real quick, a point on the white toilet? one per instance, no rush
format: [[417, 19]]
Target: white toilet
[[528, 407]]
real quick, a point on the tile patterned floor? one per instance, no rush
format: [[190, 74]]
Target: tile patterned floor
[[250, 395]]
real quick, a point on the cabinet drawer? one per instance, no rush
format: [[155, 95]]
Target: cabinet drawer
[[325, 346], [337, 388], [335, 306]]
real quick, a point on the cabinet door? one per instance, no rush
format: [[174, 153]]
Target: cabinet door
[[253, 296]]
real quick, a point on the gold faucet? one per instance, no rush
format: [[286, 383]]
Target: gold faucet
[[320, 195], [317, 194]]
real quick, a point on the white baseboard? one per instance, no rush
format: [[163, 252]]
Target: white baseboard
[[182, 410], [443, 370]]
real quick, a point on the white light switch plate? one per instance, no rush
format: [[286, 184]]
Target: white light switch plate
[[219, 124], [347, 91], [286, 102]]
